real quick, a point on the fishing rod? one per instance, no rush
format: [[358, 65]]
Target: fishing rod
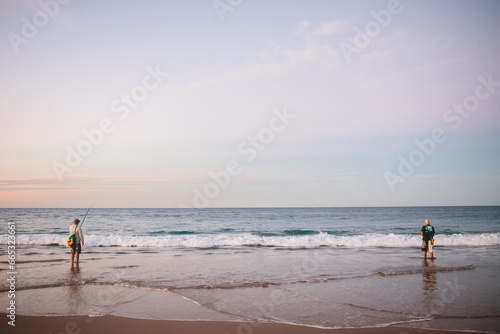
[[86, 215]]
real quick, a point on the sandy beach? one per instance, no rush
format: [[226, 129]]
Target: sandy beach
[[121, 325]]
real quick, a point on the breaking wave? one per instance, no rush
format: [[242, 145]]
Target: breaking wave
[[319, 239]]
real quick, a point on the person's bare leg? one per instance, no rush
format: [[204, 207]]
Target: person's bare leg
[[425, 255], [432, 255], [72, 259], [77, 259]]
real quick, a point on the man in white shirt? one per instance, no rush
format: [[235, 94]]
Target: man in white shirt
[[76, 247]]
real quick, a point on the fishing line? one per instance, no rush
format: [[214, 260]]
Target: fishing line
[[86, 215]]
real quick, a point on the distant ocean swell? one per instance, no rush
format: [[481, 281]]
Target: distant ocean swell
[[320, 239]]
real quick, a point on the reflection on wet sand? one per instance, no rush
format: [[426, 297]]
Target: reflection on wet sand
[[429, 276], [74, 294], [429, 285]]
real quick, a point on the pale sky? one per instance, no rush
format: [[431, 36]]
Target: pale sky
[[249, 103]]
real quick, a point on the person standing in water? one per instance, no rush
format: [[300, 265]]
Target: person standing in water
[[427, 233], [76, 247]]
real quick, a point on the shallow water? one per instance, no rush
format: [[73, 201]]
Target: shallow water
[[293, 274]]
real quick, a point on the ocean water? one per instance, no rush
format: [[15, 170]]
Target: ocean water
[[326, 267]]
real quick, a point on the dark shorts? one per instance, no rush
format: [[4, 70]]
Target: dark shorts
[[76, 249]]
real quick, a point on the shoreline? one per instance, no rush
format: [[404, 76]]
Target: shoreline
[[111, 324]]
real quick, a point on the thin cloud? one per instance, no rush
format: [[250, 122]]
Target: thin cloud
[[265, 68], [268, 66], [327, 28], [83, 183], [302, 27], [324, 28]]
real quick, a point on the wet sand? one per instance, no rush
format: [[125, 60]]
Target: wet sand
[[121, 325]]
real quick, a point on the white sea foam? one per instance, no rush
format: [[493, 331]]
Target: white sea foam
[[246, 239]]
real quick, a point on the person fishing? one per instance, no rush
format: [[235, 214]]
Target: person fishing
[[76, 246], [427, 233], [76, 239]]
